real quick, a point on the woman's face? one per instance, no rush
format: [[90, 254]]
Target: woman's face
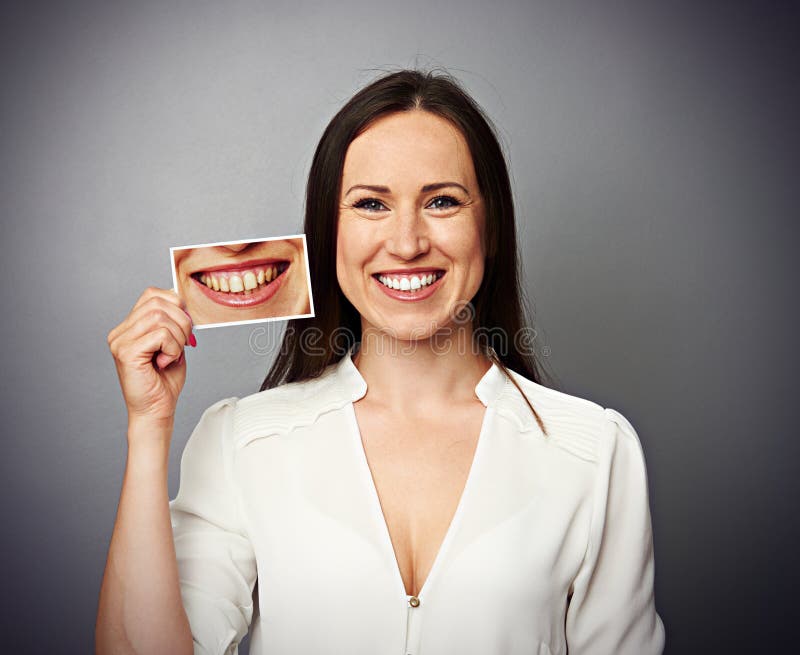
[[243, 281], [410, 249]]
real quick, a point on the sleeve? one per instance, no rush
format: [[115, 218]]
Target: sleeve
[[611, 609], [216, 562]]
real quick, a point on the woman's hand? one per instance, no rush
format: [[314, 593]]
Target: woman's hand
[[148, 352]]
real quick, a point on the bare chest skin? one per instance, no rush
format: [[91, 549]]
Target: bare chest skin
[[419, 467]]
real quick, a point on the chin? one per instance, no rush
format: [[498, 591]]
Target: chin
[[415, 331]]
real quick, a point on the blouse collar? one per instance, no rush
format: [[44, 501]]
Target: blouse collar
[[279, 410], [353, 384]]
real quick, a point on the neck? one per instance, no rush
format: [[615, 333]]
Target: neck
[[419, 376]]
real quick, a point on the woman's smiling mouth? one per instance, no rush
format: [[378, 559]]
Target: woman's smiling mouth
[[242, 285], [409, 285]]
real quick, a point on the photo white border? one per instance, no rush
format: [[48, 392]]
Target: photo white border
[[227, 243]]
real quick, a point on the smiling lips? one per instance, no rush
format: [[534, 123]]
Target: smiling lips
[[409, 285], [244, 285]]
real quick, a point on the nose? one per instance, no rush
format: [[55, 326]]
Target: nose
[[408, 235], [236, 247]]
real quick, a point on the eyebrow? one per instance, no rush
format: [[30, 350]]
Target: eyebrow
[[425, 189]]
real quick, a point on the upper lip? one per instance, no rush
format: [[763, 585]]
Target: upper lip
[[238, 266], [416, 269]]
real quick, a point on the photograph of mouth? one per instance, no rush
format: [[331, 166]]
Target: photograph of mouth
[[236, 282]]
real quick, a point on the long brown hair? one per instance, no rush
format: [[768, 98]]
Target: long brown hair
[[497, 310]]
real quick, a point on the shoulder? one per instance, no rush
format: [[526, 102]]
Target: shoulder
[[579, 426], [282, 409]]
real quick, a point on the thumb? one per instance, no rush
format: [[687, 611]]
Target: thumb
[[163, 360]]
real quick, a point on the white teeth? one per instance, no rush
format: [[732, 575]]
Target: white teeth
[[249, 280], [242, 283], [414, 283]]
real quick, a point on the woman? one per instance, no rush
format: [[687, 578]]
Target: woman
[[403, 483]]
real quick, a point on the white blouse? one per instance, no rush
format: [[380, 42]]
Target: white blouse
[[550, 550]]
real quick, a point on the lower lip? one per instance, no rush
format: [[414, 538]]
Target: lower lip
[[406, 296], [244, 300]]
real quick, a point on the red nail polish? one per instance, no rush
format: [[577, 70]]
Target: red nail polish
[[192, 340]]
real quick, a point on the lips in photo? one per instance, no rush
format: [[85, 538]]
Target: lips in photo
[[244, 285]]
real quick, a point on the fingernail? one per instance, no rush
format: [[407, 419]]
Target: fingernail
[[192, 340]]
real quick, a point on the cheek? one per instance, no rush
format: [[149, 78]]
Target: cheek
[[478, 245], [344, 252], [465, 243], [180, 261]]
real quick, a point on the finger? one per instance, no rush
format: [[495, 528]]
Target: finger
[[158, 316], [155, 292], [154, 313], [147, 295], [144, 349], [163, 360], [179, 315]]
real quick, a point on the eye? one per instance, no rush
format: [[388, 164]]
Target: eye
[[368, 204], [449, 201]]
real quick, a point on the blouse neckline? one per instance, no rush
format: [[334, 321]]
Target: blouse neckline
[[488, 388]]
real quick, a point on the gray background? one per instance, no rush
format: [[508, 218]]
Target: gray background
[[653, 148]]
